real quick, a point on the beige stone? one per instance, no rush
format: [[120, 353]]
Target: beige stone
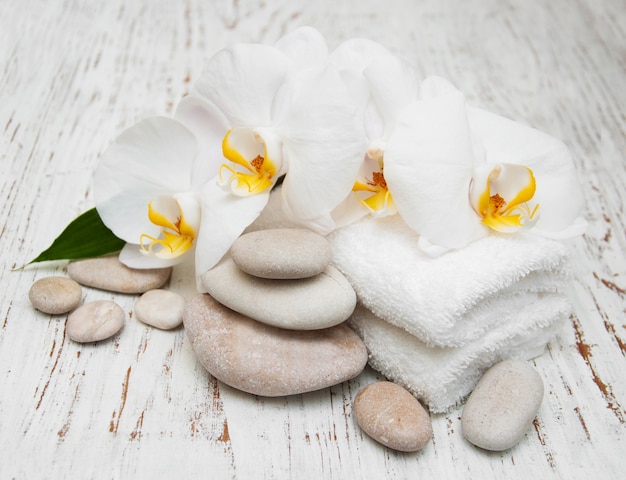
[[282, 253], [55, 295], [502, 406], [108, 273], [312, 303], [95, 321], [269, 361], [160, 308], [392, 416]]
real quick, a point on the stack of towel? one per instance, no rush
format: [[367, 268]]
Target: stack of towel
[[434, 325]]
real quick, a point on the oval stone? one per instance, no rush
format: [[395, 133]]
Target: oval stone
[[282, 253], [95, 321], [55, 295], [160, 308], [108, 273], [312, 303], [503, 405], [392, 416], [269, 361]]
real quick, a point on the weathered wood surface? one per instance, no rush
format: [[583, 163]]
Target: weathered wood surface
[[74, 74]]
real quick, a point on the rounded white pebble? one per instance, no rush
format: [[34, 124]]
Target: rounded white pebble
[[269, 361], [322, 301], [502, 406], [392, 416], [55, 295], [282, 253], [108, 273], [160, 308], [95, 321]]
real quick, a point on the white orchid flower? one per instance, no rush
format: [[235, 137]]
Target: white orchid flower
[[383, 84], [146, 191], [456, 173], [265, 111]]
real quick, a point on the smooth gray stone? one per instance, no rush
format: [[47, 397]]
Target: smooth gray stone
[[160, 308], [502, 406], [108, 273], [282, 253], [55, 295], [306, 304], [269, 361], [392, 416], [95, 321]]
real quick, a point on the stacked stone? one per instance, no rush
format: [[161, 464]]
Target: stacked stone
[[272, 322]]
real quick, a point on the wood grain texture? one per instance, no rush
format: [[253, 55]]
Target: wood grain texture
[[74, 74]]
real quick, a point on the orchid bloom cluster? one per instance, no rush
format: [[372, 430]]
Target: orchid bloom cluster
[[351, 133]]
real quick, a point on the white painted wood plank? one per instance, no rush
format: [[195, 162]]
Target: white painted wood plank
[[74, 74]]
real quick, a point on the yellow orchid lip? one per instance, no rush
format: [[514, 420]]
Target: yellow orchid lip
[[503, 204], [377, 198], [178, 234], [259, 172]]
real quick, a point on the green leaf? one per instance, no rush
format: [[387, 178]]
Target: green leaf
[[84, 237]]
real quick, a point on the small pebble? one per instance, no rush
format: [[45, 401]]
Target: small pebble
[[392, 416], [312, 303], [160, 308], [502, 406], [95, 321], [108, 273], [282, 253], [55, 295], [269, 361]]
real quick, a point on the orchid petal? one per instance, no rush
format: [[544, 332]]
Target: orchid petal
[[374, 123], [138, 167], [558, 190], [164, 211], [515, 184], [179, 219], [428, 168], [371, 189], [258, 153], [189, 213], [272, 149], [304, 46], [209, 126], [356, 54], [348, 211], [322, 225], [323, 143], [224, 218], [393, 84], [240, 146], [133, 257], [352, 59], [503, 197], [242, 81], [380, 204]]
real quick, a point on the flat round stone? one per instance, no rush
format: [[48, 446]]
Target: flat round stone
[[108, 273], [160, 308], [282, 253], [269, 361], [55, 295], [392, 416], [503, 405], [311, 303], [95, 321]]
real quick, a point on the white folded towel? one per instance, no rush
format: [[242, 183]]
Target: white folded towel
[[442, 377], [453, 299], [434, 325]]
